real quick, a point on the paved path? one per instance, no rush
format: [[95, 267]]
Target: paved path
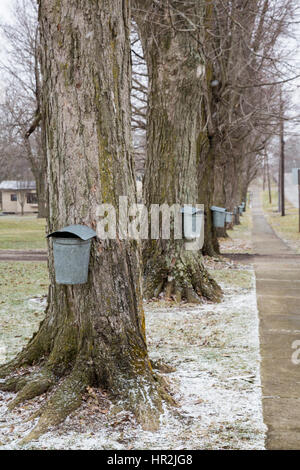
[[277, 271], [18, 255]]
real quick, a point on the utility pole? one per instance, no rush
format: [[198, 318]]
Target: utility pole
[[264, 173], [282, 207], [268, 177], [298, 174], [279, 185]]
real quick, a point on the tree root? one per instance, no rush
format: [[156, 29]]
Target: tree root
[[184, 276], [36, 385], [142, 395], [14, 383], [66, 398], [143, 398], [68, 363]]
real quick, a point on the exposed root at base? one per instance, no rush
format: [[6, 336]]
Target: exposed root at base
[[134, 388], [140, 396], [66, 398], [143, 399], [13, 383], [182, 277], [36, 385]]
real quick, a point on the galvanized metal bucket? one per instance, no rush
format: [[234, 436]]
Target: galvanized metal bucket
[[228, 217], [71, 260], [193, 222], [71, 251], [241, 209], [219, 214]]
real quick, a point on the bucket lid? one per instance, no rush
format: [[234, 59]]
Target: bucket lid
[[78, 231], [217, 209]]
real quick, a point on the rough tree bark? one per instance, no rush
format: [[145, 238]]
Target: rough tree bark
[[207, 167], [41, 191], [93, 334], [39, 169], [176, 74]]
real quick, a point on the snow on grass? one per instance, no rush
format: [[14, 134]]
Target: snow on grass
[[239, 238], [216, 355], [212, 351], [23, 286]]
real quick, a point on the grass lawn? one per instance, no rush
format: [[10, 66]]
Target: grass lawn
[[242, 231], [287, 227], [22, 233], [23, 287]]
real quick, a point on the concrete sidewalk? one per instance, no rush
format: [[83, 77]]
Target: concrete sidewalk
[[277, 271]]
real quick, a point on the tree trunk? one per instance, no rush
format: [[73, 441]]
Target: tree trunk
[[41, 191], [176, 72], [207, 168], [93, 334], [38, 164], [42, 186]]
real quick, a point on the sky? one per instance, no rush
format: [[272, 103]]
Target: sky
[[5, 10], [5, 16]]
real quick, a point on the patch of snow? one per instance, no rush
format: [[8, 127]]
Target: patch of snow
[[40, 301], [213, 350]]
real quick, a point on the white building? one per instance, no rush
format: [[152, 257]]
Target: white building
[[17, 197]]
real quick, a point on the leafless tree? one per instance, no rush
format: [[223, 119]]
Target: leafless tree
[[238, 45], [93, 334], [21, 105], [139, 101]]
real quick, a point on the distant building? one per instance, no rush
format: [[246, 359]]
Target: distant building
[[17, 197]]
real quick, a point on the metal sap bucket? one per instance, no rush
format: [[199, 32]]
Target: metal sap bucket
[[241, 209], [192, 222], [228, 217], [71, 251], [219, 214]]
